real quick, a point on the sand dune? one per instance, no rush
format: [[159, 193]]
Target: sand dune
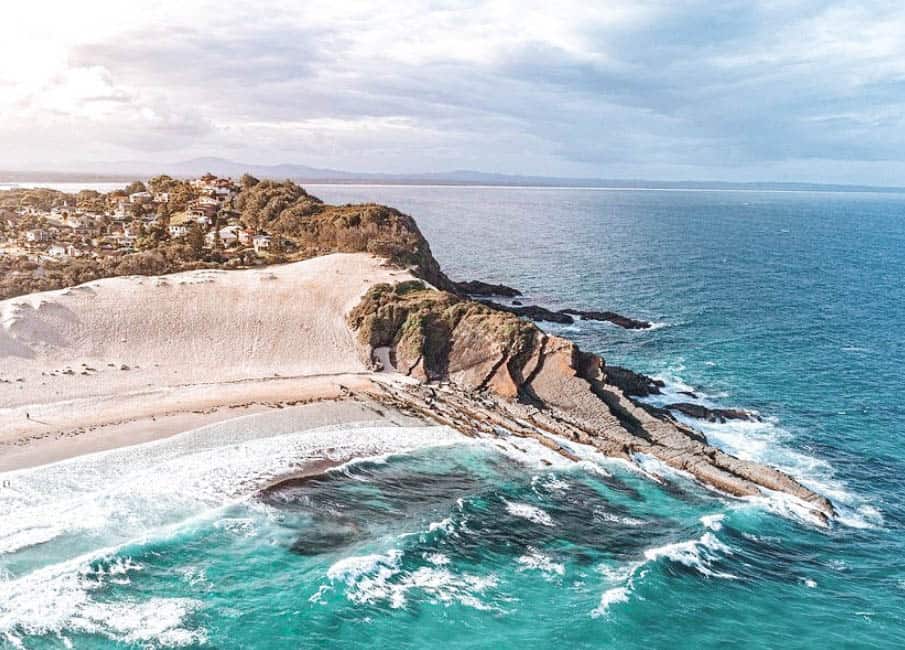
[[118, 349]]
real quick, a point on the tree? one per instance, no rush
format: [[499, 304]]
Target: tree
[[181, 195], [195, 239], [248, 181], [163, 215], [162, 183], [136, 186]]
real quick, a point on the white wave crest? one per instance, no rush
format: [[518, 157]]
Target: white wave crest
[[713, 522], [537, 561], [698, 554], [610, 597], [531, 513], [57, 600], [374, 578]]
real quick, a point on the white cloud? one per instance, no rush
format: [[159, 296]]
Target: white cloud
[[605, 89]]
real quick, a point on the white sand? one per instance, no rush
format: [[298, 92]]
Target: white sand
[[125, 360]]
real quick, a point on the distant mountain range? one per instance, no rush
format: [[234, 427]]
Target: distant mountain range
[[132, 169]]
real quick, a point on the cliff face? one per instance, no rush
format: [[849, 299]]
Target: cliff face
[[438, 336], [318, 228], [368, 228]]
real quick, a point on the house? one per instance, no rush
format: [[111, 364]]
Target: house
[[228, 237], [36, 235], [124, 239], [246, 237], [178, 230], [261, 243], [162, 197], [121, 213], [73, 221], [57, 251], [141, 197], [200, 217]]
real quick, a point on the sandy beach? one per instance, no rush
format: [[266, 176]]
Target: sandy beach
[[123, 361]]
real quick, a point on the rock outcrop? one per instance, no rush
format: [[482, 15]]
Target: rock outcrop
[[563, 316], [478, 288], [610, 316], [632, 383], [533, 312], [700, 412], [547, 383]]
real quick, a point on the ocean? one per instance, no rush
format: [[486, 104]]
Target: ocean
[[787, 303]]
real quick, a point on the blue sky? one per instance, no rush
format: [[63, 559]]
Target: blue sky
[[797, 90]]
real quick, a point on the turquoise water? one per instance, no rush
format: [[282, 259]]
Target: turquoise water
[[787, 303]]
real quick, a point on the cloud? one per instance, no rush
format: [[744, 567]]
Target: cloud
[[619, 88]]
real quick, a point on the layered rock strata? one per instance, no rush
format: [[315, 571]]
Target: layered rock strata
[[504, 371]]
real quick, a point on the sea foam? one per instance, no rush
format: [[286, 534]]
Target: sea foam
[[87, 508], [766, 441]]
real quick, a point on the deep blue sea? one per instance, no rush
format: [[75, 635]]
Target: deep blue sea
[[791, 304]]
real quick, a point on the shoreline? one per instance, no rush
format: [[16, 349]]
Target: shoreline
[[339, 407], [146, 417], [346, 398]]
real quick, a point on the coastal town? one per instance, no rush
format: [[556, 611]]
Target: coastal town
[[51, 239], [45, 226]]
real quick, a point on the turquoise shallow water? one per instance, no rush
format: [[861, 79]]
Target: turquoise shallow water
[[787, 303]]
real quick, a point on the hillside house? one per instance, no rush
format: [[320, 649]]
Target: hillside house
[[262, 243], [228, 237], [36, 235]]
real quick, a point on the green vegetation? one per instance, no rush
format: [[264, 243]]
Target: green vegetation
[[300, 226], [422, 324]]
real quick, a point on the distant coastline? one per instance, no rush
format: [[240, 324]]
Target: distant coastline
[[313, 176]]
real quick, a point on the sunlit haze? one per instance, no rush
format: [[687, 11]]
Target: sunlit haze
[[805, 91]]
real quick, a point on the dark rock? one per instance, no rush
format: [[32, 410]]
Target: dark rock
[[478, 288], [711, 415], [533, 312], [518, 303], [610, 316], [632, 383]]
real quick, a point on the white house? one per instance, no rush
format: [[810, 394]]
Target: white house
[[57, 251], [73, 221], [121, 213], [141, 197], [228, 236], [36, 235], [261, 243], [179, 230]]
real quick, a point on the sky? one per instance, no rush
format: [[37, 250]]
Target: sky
[[729, 90]]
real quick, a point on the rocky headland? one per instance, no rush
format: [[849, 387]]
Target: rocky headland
[[499, 371], [370, 307]]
